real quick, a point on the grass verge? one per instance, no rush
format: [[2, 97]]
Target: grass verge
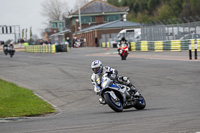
[[17, 101]]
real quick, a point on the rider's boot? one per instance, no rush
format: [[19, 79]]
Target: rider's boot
[[133, 91], [102, 101]]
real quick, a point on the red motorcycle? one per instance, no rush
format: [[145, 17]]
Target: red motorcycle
[[123, 51]]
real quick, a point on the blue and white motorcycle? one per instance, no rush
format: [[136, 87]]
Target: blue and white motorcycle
[[117, 97]]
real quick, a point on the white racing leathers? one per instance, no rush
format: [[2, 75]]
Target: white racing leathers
[[96, 78], [113, 74]]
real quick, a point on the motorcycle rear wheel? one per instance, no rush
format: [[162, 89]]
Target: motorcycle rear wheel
[[140, 103]]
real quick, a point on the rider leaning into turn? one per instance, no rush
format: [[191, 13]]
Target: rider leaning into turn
[[99, 71]]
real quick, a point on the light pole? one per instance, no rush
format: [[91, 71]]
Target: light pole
[[79, 13]]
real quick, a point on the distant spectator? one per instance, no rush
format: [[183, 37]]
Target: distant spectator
[[74, 41], [68, 41], [49, 42], [81, 42], [84, 40], [26, 44], [96, 41], [41, 42], [2, 42], [20, 43], [46, 42]]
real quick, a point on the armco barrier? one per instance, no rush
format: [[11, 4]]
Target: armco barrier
[[159, 46], [103, 44], [108, 45], [133, 46], [176, 45], [46, 48], [144, 46]]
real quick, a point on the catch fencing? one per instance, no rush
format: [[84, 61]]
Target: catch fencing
[[176, 29], [174, 35]]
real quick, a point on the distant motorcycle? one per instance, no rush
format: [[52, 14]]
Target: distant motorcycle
[[77, 44], [123, 51], [117, 97], [5, 49], [11, 50]]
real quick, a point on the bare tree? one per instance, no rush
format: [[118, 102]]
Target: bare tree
[[54, 9]]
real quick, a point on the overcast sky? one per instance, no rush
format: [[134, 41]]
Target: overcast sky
[[25, 13]]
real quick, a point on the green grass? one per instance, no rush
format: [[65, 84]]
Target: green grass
[[17, 101]]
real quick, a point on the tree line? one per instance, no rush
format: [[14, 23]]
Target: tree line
[[153, 10]]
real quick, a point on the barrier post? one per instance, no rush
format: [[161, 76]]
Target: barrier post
[[144, 46], [108, 45], [158, 46], [67, 47], [190, 52], [195, 51], [133, 46], [103, 44]]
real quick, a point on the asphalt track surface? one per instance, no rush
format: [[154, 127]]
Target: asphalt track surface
[[169, 81]]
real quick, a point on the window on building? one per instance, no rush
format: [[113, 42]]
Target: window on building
[[54, 25], [110, 18], [105, 18], [87, 19], [113, 17], [61, 25], [93, 19]]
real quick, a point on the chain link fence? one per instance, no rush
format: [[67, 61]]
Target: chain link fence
[[183, 29]]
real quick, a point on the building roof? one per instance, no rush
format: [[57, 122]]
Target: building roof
[[60, 33], [110, 25], [99, 6], [125, 8]]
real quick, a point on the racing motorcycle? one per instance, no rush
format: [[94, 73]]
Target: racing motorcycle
[[5, 49], [117, 97], [77, 44], [11, 50], [123, 51]]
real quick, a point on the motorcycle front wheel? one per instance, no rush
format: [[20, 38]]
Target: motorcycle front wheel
[[123, 57], [5, 52], [112, 103]]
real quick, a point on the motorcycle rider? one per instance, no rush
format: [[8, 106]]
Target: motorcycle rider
[[11, 46], [99, 70], [5, 48], [123, 41]]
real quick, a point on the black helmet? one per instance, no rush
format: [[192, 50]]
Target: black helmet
[[123, 39]]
